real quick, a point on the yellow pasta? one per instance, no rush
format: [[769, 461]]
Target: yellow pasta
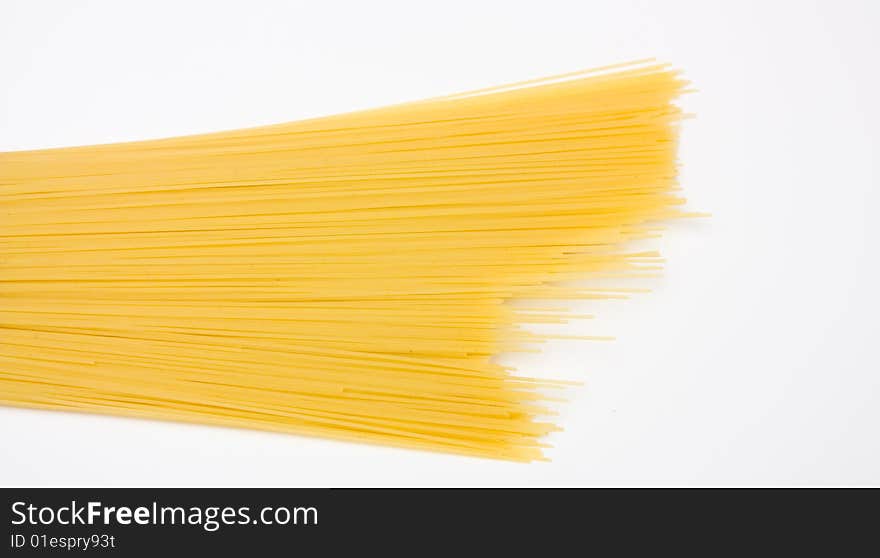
[[352, 276]]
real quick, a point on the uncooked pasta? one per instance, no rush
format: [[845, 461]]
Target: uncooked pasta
[[354, 276]]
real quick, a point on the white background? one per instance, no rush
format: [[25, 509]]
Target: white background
[[754, 361]]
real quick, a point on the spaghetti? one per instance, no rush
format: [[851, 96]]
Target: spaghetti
[[349, 276]]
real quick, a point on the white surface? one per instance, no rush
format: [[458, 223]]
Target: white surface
[[753, 362]]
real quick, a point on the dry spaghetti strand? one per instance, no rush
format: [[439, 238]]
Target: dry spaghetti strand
[[348, 276]]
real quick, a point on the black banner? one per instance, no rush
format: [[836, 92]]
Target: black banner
[[151, 522]]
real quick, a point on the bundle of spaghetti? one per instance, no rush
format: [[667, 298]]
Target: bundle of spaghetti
[[352, 277]]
